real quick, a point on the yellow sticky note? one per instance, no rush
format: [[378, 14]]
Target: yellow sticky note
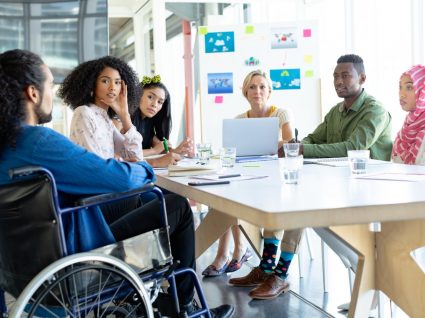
[[203, 30], [308, 58], [249, 29], [309, 73]]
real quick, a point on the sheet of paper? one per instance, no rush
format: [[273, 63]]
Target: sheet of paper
[[238, 178], [339, 162], [394, 176]]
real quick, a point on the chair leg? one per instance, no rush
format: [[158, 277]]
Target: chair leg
[[350, 279], [324, 266], [299, 264], [3, 308], [307, 236]]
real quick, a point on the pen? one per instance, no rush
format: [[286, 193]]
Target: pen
[[165, 143], [229, 176]]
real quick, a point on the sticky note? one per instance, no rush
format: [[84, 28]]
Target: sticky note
[[249, 29], [307, 33], [203, 30], [308, 58], [309, 73], [218, 99]]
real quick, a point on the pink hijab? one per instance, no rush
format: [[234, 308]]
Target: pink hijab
[[411, 135]]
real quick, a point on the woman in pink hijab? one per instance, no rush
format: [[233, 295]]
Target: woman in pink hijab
[[409, 145]]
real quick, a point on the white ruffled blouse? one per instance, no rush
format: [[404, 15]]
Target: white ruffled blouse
[[92, 129]]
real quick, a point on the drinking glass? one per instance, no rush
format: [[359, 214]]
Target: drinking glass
[[204, 152], [358, 160], [228, 157]]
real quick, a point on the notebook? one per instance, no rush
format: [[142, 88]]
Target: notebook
[[190, 167], [251, 136]]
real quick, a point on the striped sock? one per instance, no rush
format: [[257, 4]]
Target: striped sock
[[268, 260], [282, 266]]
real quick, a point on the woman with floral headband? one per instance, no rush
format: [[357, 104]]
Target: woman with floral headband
[[98, 91], [153, 120], [409, 145]]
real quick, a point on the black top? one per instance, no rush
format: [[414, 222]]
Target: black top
[[144, 127]]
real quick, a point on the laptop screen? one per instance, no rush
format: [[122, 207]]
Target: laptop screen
[[252, 136]]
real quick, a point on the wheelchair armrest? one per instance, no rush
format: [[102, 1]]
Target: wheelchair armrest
[[26, 171], [108, 197]]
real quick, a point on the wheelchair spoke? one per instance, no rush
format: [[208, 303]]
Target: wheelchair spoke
[[88, 289], [76, 293]]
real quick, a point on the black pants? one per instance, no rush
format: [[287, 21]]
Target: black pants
[[127, 219]]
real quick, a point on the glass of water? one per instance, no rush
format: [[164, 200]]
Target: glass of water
[[291, 169], [204, 152], [291, 149], [228, 157], [358, 160]]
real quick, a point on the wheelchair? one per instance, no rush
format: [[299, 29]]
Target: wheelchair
[[118, 280]]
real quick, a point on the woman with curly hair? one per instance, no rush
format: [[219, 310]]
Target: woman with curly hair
[[153, 120], [98, 91]]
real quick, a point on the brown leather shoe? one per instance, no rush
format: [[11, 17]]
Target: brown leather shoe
[[254, 278], [272, 287]]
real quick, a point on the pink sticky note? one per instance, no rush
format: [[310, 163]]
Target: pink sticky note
[[218, 100], [307, 33]]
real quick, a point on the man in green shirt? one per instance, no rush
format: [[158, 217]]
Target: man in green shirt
[[358, 122]]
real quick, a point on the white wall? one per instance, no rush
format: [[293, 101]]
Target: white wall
[[380, 31], [388, 34]]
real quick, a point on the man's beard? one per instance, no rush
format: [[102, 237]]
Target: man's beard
[[41, 115]]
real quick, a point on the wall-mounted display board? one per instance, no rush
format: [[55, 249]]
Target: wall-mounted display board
[[287, 52]]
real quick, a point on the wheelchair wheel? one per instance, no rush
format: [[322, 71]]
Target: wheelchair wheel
[[87, 285]]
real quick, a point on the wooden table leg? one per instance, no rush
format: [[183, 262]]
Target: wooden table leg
[[216, 223], [211, 228], [398, 275], [359, 237], [253, 235]]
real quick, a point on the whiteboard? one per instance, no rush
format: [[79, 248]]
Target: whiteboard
[[288, 52]]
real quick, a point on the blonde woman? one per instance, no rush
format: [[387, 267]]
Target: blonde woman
[[257, 89]]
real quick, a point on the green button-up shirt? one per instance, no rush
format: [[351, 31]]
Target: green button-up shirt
[[366, 125]]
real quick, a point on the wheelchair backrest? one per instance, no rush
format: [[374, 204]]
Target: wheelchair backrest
[[29, 233]]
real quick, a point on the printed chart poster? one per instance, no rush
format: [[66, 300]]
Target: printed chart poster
[[286, 78], [219, 42], [220, 83], [284, 38]]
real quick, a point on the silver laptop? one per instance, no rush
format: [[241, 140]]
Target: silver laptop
[[251, 136]]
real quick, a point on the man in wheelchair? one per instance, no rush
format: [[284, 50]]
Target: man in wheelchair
[[26, 100]]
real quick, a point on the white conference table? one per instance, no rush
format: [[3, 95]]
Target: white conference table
[[328, 197]]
